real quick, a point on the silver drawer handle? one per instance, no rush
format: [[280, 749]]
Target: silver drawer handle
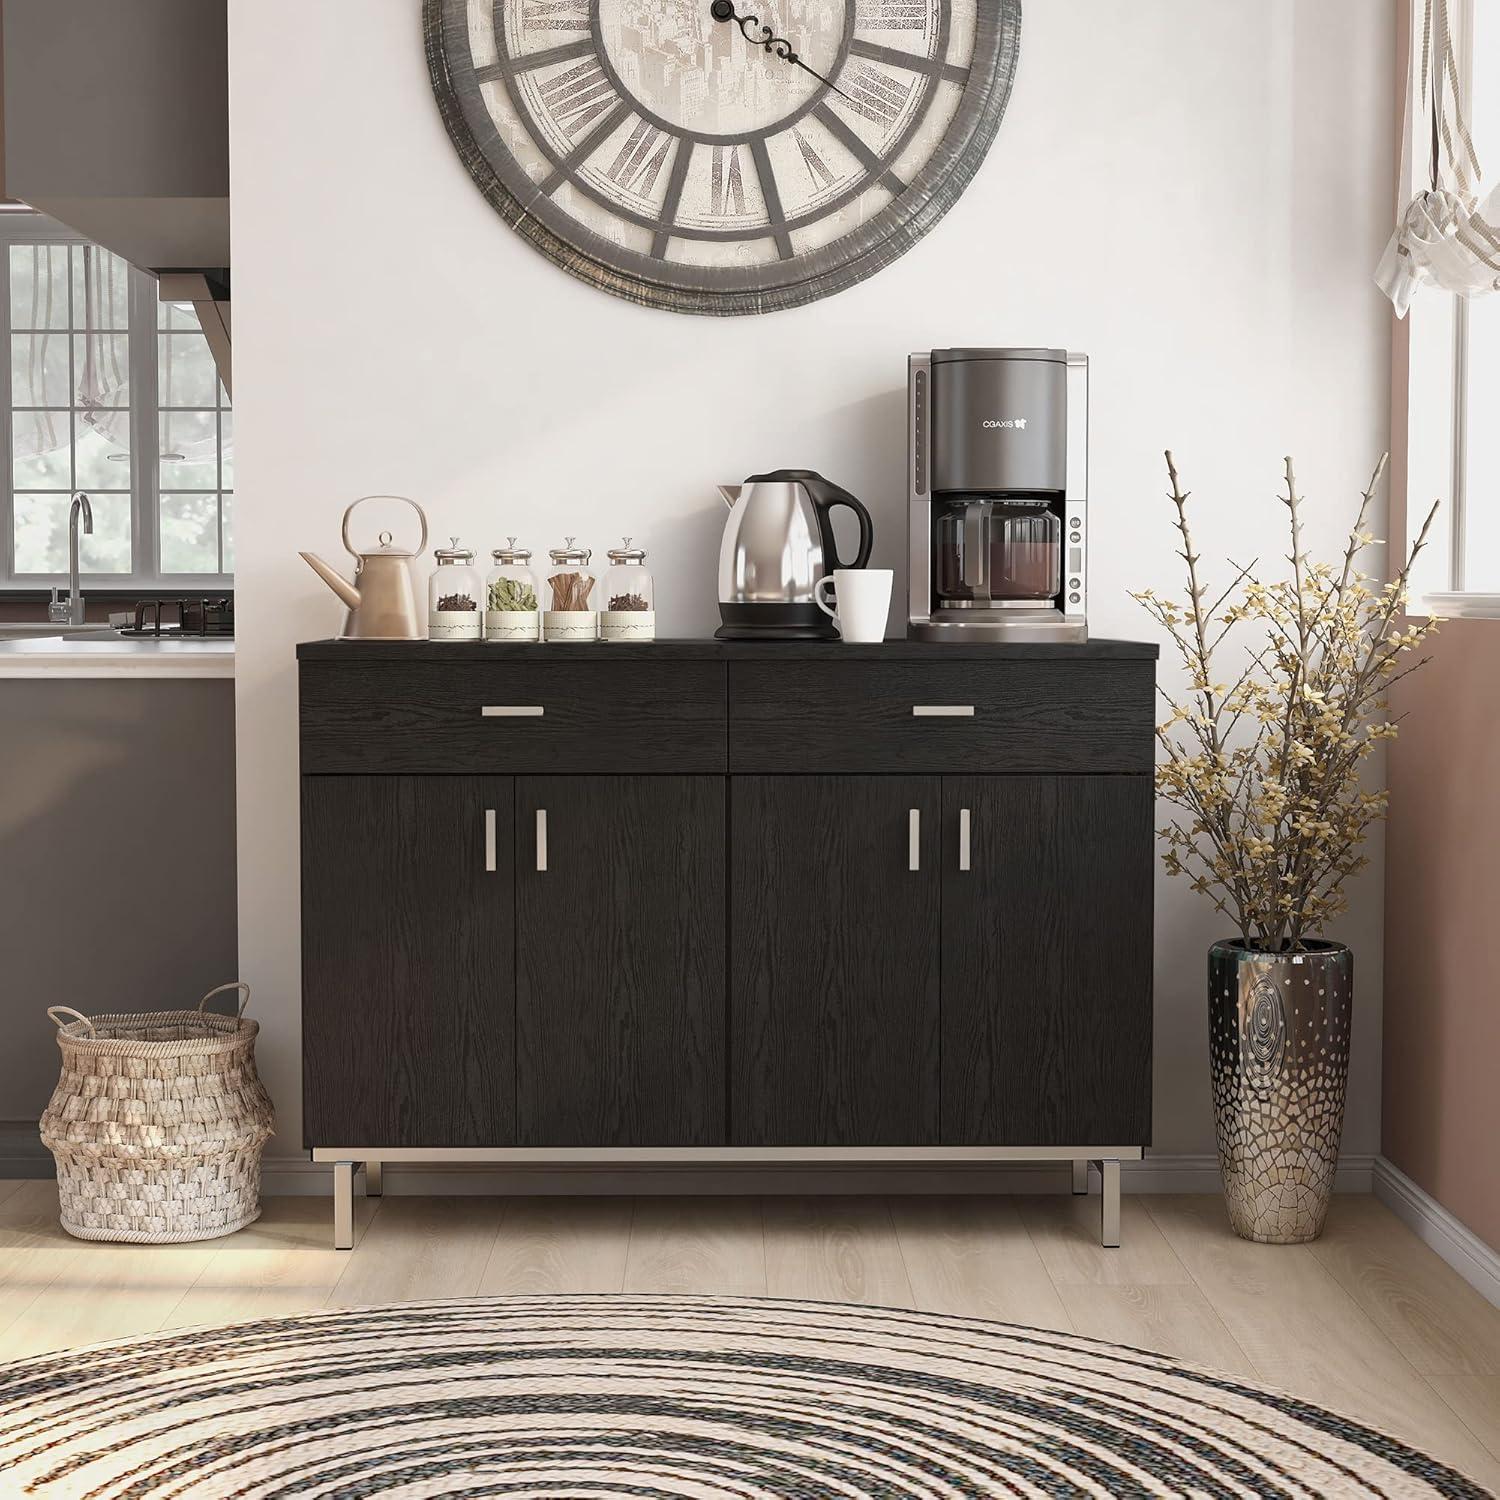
[[963, 838], [511, 711], [914, 839], [489, 840], [942, 711], [541, 838]]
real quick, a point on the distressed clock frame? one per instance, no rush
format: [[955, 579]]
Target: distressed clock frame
[[726, 290]]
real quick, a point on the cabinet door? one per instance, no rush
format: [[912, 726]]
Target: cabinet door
[[1047, 961], [620, 960], [834, 997], [408, 963]]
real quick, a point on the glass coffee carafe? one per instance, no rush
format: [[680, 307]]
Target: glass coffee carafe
[[996, 552]]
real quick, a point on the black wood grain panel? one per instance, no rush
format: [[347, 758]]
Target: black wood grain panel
[[419, 716], [834, 988], [620, 961], [1029, 716], [1046, 1031], [407, 962], [1107, 836]]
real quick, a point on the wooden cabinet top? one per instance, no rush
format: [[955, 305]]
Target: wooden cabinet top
[[712, 650]]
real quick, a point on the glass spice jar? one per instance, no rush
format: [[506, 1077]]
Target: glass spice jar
[[510, 606], [569, 613], [453, 595], [629, 612]]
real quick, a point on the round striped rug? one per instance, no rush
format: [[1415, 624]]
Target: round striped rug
[[596, 1396]]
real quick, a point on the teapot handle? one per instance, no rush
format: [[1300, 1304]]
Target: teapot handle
[[826, 497], [421, 516]]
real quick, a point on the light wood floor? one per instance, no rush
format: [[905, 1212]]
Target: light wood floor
[[1367, 1321]]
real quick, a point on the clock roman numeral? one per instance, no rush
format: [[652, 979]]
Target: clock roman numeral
[[726, 182], [874, 94], [577, 96], [640, 160], [554, 15], [772, 195], [818, 169], [891, 15]]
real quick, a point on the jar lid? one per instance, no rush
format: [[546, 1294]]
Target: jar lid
[[453, 553], [568, 553], [510, 553], [627, 553]]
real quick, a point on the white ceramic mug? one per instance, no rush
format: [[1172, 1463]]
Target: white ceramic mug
[[863, 601]]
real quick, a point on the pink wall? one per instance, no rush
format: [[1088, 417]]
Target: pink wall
[[1441, 1083]]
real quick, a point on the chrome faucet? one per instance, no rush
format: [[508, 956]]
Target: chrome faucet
[[80, 507]]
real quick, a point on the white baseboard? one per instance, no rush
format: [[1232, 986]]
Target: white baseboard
[[1477, 1262], [1156, 1174]]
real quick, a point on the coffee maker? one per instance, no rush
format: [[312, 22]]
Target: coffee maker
[[997, 475]]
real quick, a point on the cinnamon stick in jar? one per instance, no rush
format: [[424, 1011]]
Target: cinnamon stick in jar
[[570, 591]]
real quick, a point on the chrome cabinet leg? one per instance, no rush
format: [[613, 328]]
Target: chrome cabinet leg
[[1109, 1204], [1080, 1177], [343, 1204], [374, 1183]]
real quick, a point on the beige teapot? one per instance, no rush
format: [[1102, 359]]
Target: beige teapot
[[381, 605]]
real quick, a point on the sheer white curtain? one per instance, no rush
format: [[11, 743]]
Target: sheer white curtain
[[1449, 234], [103, 372]]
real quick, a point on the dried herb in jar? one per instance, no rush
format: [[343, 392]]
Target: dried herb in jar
[[456, 602], [628, 601], [570, 591], [512, 594]]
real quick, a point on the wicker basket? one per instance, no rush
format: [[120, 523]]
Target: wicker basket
[[157, 1124]]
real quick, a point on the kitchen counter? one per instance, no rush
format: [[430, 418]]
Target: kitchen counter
[[712, 650], [111, 656]]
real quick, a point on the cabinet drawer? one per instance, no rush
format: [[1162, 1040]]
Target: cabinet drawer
[[1053, 716], [476, 717]]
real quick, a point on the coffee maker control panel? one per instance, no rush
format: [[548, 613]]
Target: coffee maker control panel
[[919, 408]]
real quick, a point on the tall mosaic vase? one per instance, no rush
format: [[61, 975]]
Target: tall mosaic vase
[[1279, 1044]]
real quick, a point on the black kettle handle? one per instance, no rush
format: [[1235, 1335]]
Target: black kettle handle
[[826, 495]]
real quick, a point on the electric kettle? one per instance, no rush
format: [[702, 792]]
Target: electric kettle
[[379, 604], [778, 542]]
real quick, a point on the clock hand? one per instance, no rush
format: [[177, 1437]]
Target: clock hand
[[831, 84], [723, 10]]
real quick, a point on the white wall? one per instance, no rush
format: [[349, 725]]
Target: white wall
[[1194, 193]]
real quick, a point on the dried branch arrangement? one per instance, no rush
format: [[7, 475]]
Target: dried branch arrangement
[[1265, 766]]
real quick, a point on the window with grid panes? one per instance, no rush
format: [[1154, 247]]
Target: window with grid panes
[[111, 392]]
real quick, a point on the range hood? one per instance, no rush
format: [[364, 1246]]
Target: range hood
[[116, 123]]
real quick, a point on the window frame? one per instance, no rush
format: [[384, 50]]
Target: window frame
[[1432, 353], [26, 227]]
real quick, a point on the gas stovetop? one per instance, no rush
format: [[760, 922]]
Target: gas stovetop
[[196, 620]]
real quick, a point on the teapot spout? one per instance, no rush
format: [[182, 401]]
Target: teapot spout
[[334, 579], [731, 493]]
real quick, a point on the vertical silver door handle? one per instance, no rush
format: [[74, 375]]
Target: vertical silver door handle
[[914, 839], [963, 838], [541, 838], [489, 840]]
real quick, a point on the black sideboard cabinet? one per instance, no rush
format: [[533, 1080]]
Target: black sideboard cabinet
[[727, 903]]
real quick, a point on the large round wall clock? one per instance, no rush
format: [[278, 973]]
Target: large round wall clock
[[722, 156]]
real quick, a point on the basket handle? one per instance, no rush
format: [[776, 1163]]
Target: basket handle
[[240, 985], [55, 1012]]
